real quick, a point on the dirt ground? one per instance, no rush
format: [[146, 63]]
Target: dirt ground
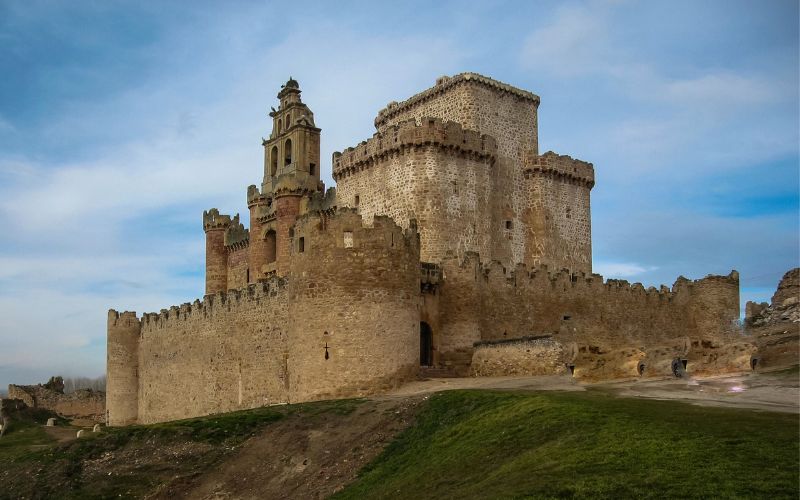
[[776, 391], [303, 457]]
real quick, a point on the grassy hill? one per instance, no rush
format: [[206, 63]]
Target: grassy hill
[[463, 444], [481, 444]]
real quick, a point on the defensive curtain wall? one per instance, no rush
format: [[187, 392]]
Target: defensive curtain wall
[[485, 309], [344, 322]]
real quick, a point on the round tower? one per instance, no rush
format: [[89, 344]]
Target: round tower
[[122, 377], [354, 307], [214, 226]]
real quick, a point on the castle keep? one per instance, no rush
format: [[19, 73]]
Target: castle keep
[[448, 242]]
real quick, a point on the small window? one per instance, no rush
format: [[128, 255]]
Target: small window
[[569, 213], [301, 244], [358, 200], [567, 318], [248, 276], [312, 168], [348, 239], [509, 224]]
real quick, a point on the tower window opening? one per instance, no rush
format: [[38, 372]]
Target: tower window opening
[[301, 244], [569, 213], [312, 168], [273, 161], [357, 201], [287, 152], [280, 126], [271, 246], [509, 224]]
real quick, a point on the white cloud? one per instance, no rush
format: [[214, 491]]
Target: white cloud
[[621, 269], [188, 141]]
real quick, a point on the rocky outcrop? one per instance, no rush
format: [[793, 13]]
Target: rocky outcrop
[[776, 326]]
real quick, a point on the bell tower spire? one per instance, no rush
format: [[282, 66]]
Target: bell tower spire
[[291, 177], [293, 145]]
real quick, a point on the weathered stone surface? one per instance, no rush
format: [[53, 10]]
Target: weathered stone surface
[[84, 403], [449, 241], [776, 326]]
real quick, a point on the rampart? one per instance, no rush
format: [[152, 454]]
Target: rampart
[[480, 302], [408, 135], [320, 332]]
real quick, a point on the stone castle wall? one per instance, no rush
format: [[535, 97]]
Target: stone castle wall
[[352, 288], [489, 302], [532, 209], [222, 354], [436, 173], [355, 290]]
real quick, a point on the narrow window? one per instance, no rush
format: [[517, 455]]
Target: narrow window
[[312, 168], [357, 200], [279, 126], [509, 224], [348, 239], [247, 279], [301, 244], [273, 161], [287, 152], [569, 213]]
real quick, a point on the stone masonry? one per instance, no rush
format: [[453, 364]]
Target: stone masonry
[[449, 241]]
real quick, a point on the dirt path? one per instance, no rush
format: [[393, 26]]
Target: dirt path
[[763, 391], [304, 456]]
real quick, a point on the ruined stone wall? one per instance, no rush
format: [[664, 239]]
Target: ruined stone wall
[[576, 308], [355, 290], [222, 354], [520, 357], [84, 403]]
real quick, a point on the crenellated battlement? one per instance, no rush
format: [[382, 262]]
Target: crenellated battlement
[[557, 166], [236, 235], [212, 219], [210, 305], [408, 135], [445, 84], [538, 276]]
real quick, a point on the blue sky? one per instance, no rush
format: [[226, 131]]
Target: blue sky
[[121, 121]]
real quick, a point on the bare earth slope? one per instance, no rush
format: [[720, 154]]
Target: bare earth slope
[[302, 456]]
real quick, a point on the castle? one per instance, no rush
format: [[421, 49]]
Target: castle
[[448, 242]]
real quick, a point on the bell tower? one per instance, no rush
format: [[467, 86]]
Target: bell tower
[[291, 177], [293, 145]]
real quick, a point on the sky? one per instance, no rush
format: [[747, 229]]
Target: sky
[[120, 122]]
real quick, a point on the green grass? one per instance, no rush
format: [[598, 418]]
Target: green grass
[[482, 444]]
